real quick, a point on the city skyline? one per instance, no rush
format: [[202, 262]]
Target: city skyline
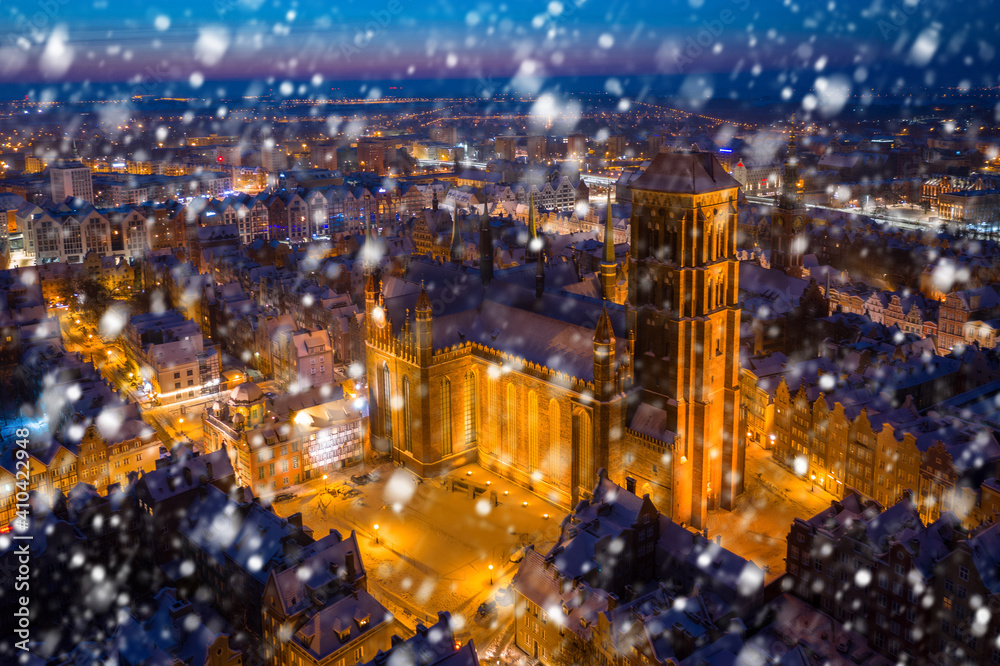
[[507, 334]]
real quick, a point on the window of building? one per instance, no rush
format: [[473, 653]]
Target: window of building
[[446, 440], [963, 573], [407, 417], [386, 402], [470, 407]]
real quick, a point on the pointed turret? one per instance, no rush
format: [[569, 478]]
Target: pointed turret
[[602, 333], [609, 268], [530, 250], [790, 215], [370, 251], [457, 247], [434, 202], [532, 229], [791, 195], [539, 274], [609, 234], [604, 357], [423, 326], [485, 248]]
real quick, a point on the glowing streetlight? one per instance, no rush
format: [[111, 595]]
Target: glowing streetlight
[[376, 533], [491, 574], [812, 482]]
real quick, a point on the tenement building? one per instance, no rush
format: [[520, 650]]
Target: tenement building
[[546, 387], [276, 443]]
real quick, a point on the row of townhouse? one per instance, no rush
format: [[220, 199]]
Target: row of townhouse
[[965, 317], [560, 193], [67, 233], [918, 589], [854, 434], [224, 579], [172, 356]]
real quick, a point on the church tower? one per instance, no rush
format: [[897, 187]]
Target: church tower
[[683, 289], [789, 217]]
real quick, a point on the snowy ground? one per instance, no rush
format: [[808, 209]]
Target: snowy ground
[[434, 546], [773, 497]]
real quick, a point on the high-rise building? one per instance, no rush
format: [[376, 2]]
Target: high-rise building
[[273, 157], [537, 148], [372, 155], [448, 135], [505, 147], [576, 146], [323, 156], [70, 178], [683, 286], [615, 147]]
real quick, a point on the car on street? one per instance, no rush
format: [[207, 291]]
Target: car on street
[[284, 497]]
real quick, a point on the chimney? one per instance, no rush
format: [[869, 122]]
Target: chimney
[[187, 475], [349, 562], [630, 484], [333, 569], [208, 469]]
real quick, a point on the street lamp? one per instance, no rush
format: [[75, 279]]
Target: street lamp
[[812, 482], [491, 575], [376, 533]]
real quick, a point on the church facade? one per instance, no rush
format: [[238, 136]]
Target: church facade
[[546, 388]]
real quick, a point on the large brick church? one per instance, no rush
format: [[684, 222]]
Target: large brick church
[[545, 387]]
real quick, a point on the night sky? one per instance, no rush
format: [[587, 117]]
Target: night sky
[[870, 44]]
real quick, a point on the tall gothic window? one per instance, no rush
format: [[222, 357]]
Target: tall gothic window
[[532, 431], [550, 458], [492, 410], [470, 407], [446, 443], [583, 439], [407, 417], [510, 417], [386, 402]]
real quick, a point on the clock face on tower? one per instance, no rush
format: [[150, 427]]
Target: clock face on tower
[[797, 223], [778, 222]]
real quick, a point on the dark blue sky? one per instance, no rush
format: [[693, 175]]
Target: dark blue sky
[[873, 44]]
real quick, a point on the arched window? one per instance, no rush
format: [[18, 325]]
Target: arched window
[[532, 431], [386, 402], [470, 407], [510, 441], [583, 442], [550, 456], [446, 442], [407, 417], [492, 409]]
